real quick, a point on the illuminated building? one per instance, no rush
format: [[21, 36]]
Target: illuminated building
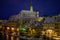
[[25, 14], [52, 23], [49, 22], [29, 13], [57, 24], [28, 17]]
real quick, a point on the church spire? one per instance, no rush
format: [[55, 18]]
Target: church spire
[[31, 7]]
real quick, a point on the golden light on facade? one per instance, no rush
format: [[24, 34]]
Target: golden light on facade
[[17, 29], [57, 38], [12, 28], [43, 33], [32, 31], [40, 19], [50, 33], [8, 28]]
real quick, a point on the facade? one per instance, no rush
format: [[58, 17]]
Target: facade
[[26, 17], [28, 14], [52, 23], [25, 14]]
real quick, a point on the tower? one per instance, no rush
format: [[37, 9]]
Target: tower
[[31, 7]]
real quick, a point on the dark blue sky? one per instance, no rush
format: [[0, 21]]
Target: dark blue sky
[[12, 7]]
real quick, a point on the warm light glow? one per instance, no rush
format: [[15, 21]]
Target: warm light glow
[[7, 36], [17, 29], [50, 33], [12, 28], [0, 26], [40, 19], [8, 28], [32, 31], [43, 33]]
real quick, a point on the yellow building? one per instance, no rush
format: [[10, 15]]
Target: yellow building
[[48, 26], [57, 27]]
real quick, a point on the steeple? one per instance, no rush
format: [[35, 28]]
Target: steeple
[[31, 7]]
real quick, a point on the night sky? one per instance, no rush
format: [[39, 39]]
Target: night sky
[[13, 7]]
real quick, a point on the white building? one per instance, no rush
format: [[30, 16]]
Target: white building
[[25, 14]]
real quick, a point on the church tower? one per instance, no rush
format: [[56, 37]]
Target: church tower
[[31, 7]]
